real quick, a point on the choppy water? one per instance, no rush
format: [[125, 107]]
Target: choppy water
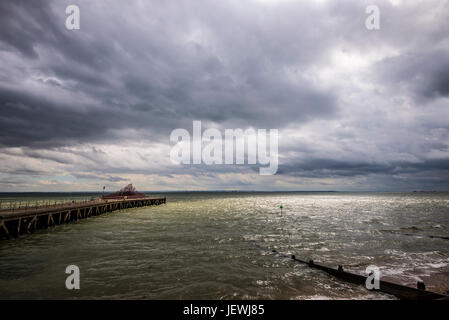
[[218, 246]]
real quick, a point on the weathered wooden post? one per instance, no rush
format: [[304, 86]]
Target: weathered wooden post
[[420, 285]]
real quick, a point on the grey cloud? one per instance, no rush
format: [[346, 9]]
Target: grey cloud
[[98, 177], [30, 120], [238, 79], [424, 73], [335, 168], [135, 72]]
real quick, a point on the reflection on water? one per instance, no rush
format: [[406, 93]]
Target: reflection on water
[[218, 246]]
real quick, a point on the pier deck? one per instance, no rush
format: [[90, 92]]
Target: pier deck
[[15, 222]]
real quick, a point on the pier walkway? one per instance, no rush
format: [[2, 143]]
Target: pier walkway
[[15, 222]]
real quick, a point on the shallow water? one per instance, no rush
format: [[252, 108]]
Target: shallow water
[[218, 246]]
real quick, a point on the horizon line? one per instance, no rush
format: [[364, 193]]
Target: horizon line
[[242, 191]]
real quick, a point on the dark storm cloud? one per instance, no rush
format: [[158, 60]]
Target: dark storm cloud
[[440, 83], [15, 15], [336, 168], [34, 120], [136, 71], [156, 85], [425, 74], [28, 24]]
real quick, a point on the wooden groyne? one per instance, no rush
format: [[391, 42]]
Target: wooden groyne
[[397, 290], [15, 222]]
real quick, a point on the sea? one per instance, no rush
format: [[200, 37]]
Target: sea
[[232, 245]]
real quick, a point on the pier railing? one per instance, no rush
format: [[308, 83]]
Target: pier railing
[[29, 205]]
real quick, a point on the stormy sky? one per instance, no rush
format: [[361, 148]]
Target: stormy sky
[[356, 109]]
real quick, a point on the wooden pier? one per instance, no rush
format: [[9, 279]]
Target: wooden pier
[[15, 222]]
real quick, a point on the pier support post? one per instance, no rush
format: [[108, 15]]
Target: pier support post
[[18, 226], [5, 229]]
